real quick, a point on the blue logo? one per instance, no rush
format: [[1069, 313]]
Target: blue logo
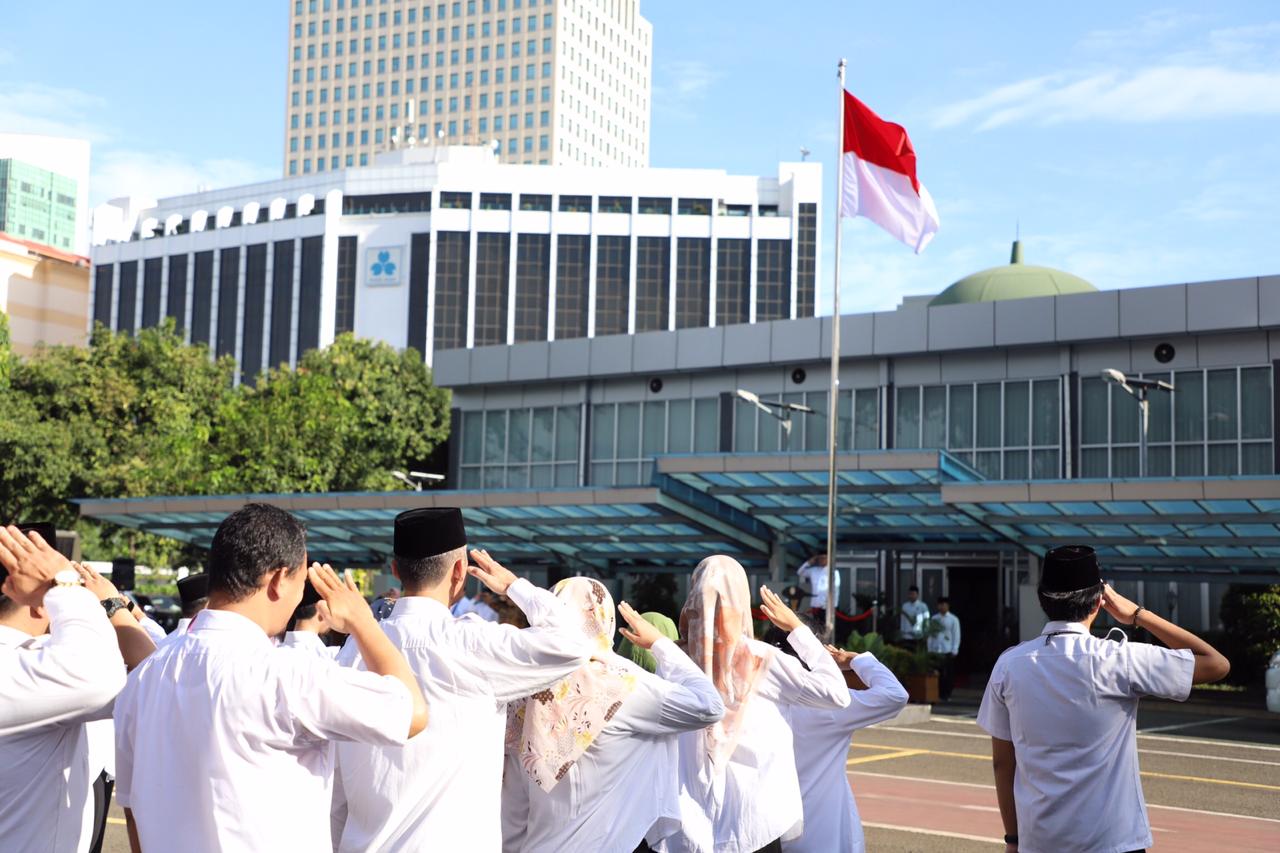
[[382, 266]]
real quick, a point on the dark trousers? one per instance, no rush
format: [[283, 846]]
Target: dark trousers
[[102, 788], [946, 676]]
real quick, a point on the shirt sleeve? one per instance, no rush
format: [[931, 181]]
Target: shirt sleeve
[[76, 670], [344, 703], [691, 700], [993, 713], [1157, 671], [152, 627], [518, 662], [820, 686], [955, 635], [882, 700]]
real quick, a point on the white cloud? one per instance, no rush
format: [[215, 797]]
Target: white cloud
[[49, 111], [681, 84], [151, 174]]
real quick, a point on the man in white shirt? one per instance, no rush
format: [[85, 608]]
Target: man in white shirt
[[814, 573], [821, 740], [915, 615], [443, 790], [944, 640], [223, 740], [1061, 710], [306, 631], [47, 777]]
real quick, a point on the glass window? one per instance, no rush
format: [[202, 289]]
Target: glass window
[[693, 279], [608, 203], [989, 415], [1255, 403], [733, 280], [1221, 400], [706, 425], [660, 206], [613, 270], [934, 417], [679, 426], [1017, 406], [960, 417], [575, 203], [866, 419], [491, 287], [694, 207], [773, 280], [653, 278], [535, 202], [573, 270], [907, 418]]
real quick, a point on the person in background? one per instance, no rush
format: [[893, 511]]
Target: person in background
[[821, 741], [53, 793], [945, 642], [614, 784], [443, 790], [740, 789], [383, 606], [813, 572], [307, 629], [643, 657], [914, 618], [222, 740], [1061, 710], [193, 595], [485, 605]]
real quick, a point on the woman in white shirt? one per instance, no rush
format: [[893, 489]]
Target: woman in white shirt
[[592, 760], [739, 789]]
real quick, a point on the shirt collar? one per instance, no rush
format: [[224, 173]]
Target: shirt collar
[[420, 605], [227, 622], [13, 637], [1064, 627]]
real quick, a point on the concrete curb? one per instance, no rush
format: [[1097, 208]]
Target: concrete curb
[[910, 716]]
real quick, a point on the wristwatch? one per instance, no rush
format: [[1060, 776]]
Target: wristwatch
[[67, 577], [1011, 839], [114, 605]]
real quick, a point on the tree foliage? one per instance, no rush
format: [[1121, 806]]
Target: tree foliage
[[1251, 616], [132, 416]]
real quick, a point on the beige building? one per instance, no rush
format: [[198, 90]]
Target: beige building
[[555, 82], [45, 294]]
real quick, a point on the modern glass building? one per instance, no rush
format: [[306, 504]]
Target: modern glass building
[[446, 248], [37, 205]]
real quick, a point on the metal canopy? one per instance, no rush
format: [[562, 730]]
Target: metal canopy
[[752, 505], [1222, 528]]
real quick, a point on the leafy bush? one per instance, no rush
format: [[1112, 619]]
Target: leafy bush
[[1251, 619]]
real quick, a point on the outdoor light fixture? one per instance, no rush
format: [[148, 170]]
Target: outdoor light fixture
[[414, 478], [783, 412], [1139, 389]]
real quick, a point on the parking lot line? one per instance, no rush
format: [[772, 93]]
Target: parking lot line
[[1191, 725], [962, 836], [902, 753]]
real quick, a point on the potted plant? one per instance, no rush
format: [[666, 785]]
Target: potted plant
[[915, 670]]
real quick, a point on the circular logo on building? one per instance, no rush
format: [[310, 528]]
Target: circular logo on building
[[382, 266]]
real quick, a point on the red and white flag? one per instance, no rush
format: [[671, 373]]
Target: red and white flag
[[880, 177]]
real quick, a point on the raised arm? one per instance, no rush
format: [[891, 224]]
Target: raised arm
[[819, 686], [78, 669], [884, 697], [1210, 664], [514, 662], [134, 640], [692, 701]]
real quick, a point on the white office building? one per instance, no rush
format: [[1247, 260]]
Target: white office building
[[543, 81], [446, 248]]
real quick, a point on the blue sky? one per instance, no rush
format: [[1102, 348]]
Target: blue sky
[[1135, 143]]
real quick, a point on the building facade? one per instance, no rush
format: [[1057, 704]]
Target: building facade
[[446, 248], [542, 81], [44, 190], [44, 292]]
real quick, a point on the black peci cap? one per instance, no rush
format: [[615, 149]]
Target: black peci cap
[[1070, 568], [192, 588], [428, 532]]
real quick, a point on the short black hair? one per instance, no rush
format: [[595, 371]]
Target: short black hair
[[300, 614], [1069, 606], [254, 540], [942, 599], [422, 572], [913, 588]]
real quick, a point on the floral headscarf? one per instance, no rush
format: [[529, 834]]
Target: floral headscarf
[[716, 625], [551, 729]]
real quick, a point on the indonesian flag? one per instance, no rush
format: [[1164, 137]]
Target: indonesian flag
[[880, 177]]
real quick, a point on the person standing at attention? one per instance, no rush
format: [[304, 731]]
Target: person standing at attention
[[914, 618], [945, 642], [443, 790], [1061, 710], [223, 740]]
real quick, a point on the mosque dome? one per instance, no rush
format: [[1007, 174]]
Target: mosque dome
[[1014, 280]]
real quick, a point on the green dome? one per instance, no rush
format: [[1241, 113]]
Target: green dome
[[1016, 280]]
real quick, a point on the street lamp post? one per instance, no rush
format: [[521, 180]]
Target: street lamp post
[[414, 478], [1140, 390], [781, 411]]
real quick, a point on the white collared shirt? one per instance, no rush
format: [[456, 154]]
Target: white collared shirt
[[914, 615], [45, 770], [821, 740], [310, 642], [756, 797], [222, 740], [947, 640], [816, 577], [442, 791], [74, 670], [625, 787], [1068, 701]]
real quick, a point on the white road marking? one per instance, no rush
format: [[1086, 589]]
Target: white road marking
[[1190, 725], [937, 832], [1214, 741]]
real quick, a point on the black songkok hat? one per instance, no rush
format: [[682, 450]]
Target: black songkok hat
[[429, 532], [1069, 569], [192, 588]]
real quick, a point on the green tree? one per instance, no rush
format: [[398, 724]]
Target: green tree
[[1251, 619], [5, 353]]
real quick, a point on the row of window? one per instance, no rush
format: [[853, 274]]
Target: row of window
[[410, 41], [454, 80], [411, 15], [519, 448]]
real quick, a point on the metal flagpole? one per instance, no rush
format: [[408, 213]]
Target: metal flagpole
[[833, 403]]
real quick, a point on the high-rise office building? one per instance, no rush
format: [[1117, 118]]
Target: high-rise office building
[[544, 81], [37, 204]]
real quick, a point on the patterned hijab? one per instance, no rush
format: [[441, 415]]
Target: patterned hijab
[[716, 625], [551, 729], [643, 657]]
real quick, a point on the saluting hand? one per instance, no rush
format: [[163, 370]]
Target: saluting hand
[[641, 633], [840, 656], [341, 604], [1121, 609], [490, 572], [777, 611], [31, 563], [101, 588]]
